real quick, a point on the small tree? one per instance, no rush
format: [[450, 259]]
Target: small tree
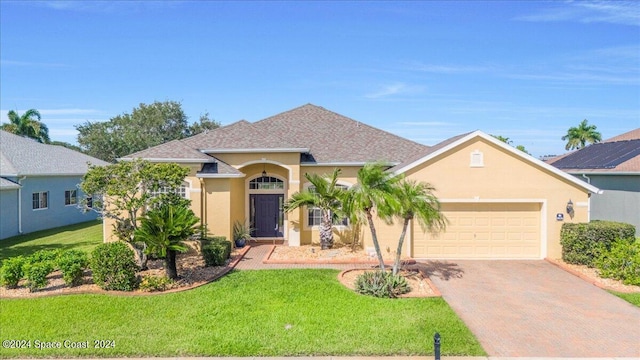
[[163, 229], [374, 190], [417, 201], [577, 137], [123, 191], [28, 125], [325, 195]]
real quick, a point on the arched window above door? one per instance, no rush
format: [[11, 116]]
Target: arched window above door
[[266, 183]]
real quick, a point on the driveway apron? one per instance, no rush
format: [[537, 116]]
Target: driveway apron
[[533, 308]]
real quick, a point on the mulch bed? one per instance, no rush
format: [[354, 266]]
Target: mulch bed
[[338, 254], [419, 282], [191, 270], [592, 275]]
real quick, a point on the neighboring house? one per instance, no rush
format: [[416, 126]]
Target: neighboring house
[[613, 166], [38, 185], [501, 203]]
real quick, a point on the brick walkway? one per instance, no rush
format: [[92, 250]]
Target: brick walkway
[[253, 261], [533, 308]]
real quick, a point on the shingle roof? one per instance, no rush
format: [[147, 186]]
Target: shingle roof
[[430, 150], [22, 156], [6, 184], [175, 150], [618, 154], [330, 138], [630, 135]]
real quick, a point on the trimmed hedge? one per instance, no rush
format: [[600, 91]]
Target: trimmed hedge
[[584, 243], [216, 252], [114, 266], [12, 271], [72, 264]]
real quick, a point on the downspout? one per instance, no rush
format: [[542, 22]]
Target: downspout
[[20, 204], [203, 198], [588, 199]]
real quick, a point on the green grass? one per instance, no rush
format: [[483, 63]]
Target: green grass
[[633, 298], [246, 313], [84, 236]]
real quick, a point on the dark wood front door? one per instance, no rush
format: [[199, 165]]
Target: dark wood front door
[[266, 214]]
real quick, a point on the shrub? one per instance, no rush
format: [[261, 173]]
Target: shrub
[[214, 238], [11, 271], [155, 283], [114, 266], [72, 264], [44, 256], [622, 262], [583, 243], [381, 284], [36, 274], [216, 253]]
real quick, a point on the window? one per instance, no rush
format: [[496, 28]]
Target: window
[[477, 159], [314, 216], [266, 183], [40, 200], [180, 191], [90, 202], [70, 197]]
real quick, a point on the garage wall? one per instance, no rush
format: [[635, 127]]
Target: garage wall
[[503, 177]]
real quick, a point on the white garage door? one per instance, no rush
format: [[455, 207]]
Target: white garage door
[[483, 231]]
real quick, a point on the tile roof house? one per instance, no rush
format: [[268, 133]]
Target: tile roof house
[[613, 166], [501, 203], [38, 185]]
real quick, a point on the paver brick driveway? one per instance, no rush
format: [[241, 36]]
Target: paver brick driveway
[[533, 308]]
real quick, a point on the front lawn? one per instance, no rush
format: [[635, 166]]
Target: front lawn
[[633, 298], [83, 236], [246, 313]]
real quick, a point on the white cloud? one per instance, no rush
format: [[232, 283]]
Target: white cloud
[[615, 12], [398, 88]]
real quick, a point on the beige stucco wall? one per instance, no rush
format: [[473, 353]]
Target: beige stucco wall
[[504, 176]]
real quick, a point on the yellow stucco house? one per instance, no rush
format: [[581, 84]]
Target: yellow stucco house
[[500, 202]]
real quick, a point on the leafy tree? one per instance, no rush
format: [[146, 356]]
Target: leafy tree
[[122, 191], [327, 196], [508, 141], [416, 201], [374, 190], [146, 126], [203, 124], [578, 137], [163, 229], [28, 125]]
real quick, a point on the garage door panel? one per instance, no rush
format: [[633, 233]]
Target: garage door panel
[[484, 231]]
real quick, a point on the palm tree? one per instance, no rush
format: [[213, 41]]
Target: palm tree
[[325, 195], [163, 229], [578, 137], [28, 125], [374, 190], [417, 201]]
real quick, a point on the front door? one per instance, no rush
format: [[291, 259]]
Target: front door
[[266, 214]]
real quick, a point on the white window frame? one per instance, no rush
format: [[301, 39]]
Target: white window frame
[[40, 201], [309, 209], [183, 190], [68, 197]]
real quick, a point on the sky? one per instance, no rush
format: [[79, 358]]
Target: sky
[[424, 70]]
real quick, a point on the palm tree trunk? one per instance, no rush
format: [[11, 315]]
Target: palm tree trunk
[[396, 263], [374, 236], [326, 234], [170, 265]]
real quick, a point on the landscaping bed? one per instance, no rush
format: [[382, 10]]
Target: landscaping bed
[[592, 275], [420, 284], [191, 269], [339, 254]]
